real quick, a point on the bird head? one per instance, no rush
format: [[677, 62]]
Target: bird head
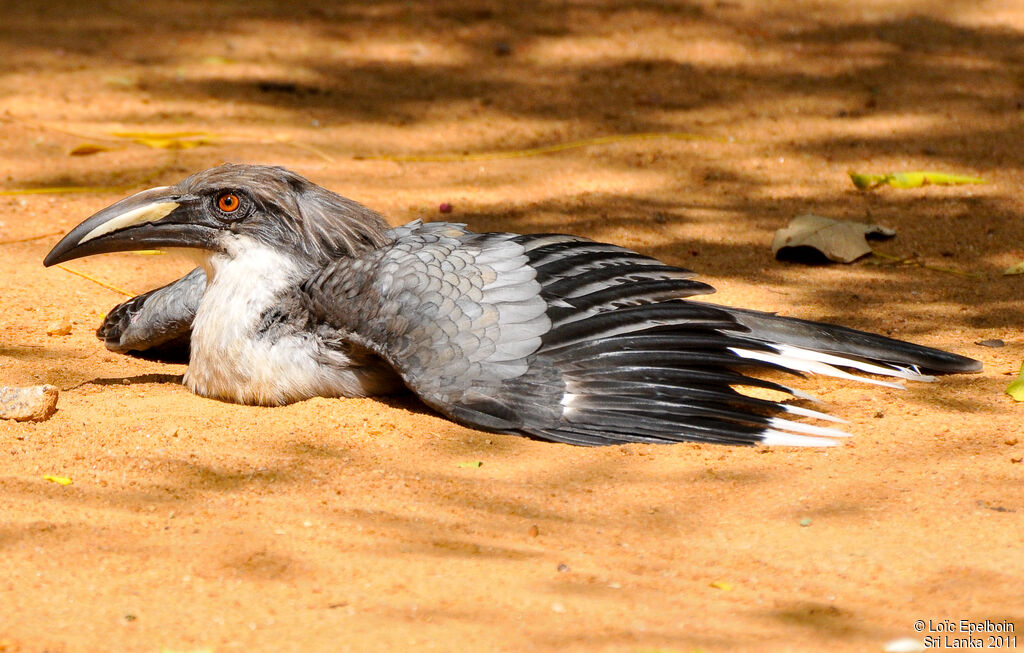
[[216, 209]]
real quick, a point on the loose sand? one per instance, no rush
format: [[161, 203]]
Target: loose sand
[[333, 525]]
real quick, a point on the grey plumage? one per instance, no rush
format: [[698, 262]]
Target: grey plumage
[[304, 293], [309, 220], [158, 321]]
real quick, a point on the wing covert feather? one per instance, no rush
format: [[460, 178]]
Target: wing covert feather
[[455, 313]]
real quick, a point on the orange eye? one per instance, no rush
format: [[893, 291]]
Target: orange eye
[[228, 202]]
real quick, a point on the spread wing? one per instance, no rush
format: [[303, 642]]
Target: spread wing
[[570, 340], [457, 314], [156, 324]]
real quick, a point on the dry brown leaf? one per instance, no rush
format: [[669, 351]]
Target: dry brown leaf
[[836, 240], [86, 149]]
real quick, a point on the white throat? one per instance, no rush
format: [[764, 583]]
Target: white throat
[[230, 357]]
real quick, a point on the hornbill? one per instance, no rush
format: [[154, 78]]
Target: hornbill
[[303, 293]]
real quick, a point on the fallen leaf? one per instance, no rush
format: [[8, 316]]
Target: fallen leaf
[[1014, 269], [721, 585], [914, 179], [59, 480], [168, 140], [1016, 389], [472, 463], [837, 240], [85, 149]]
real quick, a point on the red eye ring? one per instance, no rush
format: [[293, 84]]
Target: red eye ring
[[228, 202]]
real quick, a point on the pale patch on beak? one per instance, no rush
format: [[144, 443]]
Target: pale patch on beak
[[140, 215]]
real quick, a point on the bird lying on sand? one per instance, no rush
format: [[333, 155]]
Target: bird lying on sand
[[303, 293]]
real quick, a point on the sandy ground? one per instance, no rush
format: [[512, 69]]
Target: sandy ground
[[333, 525]]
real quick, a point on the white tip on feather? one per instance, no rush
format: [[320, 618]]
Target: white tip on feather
[[909, 373], [773, 438], [800, 427], [805, 360]]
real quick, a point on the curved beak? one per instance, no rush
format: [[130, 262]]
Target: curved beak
[[158, 217]]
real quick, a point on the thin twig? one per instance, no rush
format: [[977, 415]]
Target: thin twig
[[933, 268], [30, 238], [96, 281]]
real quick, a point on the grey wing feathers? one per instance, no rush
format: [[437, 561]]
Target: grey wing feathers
[[457, 314], [471, 324], [157, 323], [570, 340]]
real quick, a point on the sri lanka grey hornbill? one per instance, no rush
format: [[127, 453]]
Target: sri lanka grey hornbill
[[302, 293]]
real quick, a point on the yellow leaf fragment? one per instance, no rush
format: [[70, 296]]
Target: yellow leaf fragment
[[864, 182], [59, 480], [1016, 389], [472, 464], [722, 585], [1014, 269], [168, 140], [915, 179]]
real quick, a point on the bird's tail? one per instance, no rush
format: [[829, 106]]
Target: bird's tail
[[806, 346]]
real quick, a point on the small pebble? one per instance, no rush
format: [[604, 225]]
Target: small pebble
[[534, 531], [563, 568], [28, 404], [59, 327], [805, 522], [445, 207]]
